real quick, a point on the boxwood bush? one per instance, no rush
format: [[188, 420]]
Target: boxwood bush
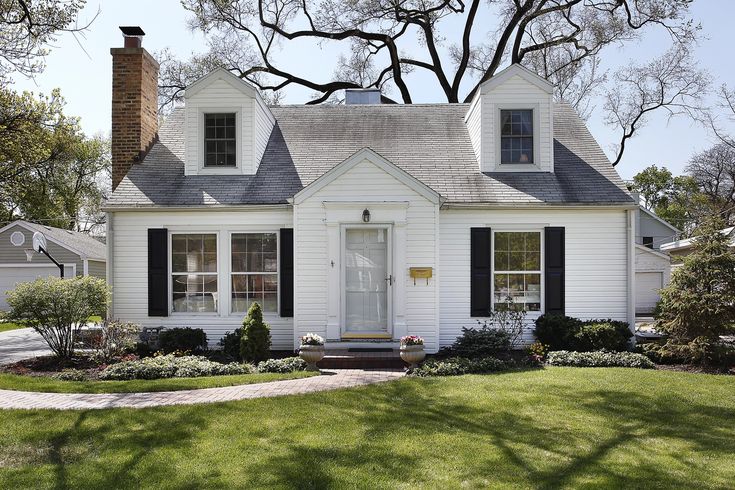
[[182, 340], [482, 341], [598, 359], [455, 366], [567, 333], [170, 366]]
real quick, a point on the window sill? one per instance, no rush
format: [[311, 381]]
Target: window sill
[[518, 167], [220, 170]]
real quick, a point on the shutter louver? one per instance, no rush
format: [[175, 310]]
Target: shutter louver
[[480, 271], [286, 272], [554, 273], [157, 272]]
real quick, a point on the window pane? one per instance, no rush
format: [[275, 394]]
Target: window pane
[[220, 143], [517, 251], [194, 293]]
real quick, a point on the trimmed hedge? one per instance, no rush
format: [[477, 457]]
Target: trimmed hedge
[[598, 359], [170, 366], [286, 365], [455, 366], [567, 333], [182, 340]]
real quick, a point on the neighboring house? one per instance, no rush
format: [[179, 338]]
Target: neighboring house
[[80, 254], [679, 249], [652, 267], [359, 222]]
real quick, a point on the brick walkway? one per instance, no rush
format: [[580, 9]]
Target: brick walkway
[[329, 380]]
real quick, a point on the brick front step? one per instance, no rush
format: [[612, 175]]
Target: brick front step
[[346, 359]]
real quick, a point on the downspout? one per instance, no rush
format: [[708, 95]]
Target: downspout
[[110, 239], [631, 270]]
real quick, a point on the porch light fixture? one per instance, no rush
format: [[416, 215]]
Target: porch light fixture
[[366, 216]]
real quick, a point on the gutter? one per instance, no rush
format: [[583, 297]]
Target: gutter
[[197, 207], [621, 205]]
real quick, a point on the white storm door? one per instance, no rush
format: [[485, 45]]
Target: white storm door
[[367, 280]]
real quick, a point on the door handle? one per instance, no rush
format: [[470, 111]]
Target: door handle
[[389, 279]]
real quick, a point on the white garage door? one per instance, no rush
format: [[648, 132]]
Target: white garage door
[[10, 276], [647, 285]]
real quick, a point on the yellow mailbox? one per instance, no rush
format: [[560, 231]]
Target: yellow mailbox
[[420, 273]]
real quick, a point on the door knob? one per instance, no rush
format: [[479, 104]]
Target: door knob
[[389, 279]]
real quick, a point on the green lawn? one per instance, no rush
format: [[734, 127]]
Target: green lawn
[[4, 327], [50, 385], [560, 427]]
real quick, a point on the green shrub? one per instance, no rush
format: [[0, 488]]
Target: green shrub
[[557, 331], [567, 333], [479, 342], [698, 302], [115, 340], [71, 375], [230, 343], [58, 308], [255, 344], [286, 365], [701, 351], [455, 366], [182, 340], [170, 366], [608, 335], [598, 359]]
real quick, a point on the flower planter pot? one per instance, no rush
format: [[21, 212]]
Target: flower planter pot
[[311, 354], [413, 355]]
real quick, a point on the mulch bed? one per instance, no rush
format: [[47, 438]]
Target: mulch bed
[[51, 365], [689, 368]]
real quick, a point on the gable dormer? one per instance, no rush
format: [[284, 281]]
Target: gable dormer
[[227, 126], [510, 122]]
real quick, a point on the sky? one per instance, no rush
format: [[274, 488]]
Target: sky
[[81, 66]]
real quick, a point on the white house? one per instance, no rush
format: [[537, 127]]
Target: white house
[[652, 264], [359, 222]]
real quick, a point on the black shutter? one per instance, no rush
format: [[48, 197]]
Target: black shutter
[[554, 239], [286, 272], [480, 271], [157, 272]]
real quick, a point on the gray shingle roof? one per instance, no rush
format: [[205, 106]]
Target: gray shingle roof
[[81, 243], [429, 141]]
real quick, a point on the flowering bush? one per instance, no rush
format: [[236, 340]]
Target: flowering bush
[[537, 351], [599, 359], [115, 340], [287, 365], [312, 339], [455, 366], [171, 366], [412, 340]]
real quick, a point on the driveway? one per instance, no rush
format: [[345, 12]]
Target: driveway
[[16, 345]]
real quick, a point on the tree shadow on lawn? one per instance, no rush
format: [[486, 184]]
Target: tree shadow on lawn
[[101, 448]]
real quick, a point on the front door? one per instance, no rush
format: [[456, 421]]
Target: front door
[[367, 282]]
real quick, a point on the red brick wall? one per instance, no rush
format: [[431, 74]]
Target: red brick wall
[[134, 107]]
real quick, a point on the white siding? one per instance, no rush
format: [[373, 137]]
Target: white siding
[[130, 275], [253, 119], [596, 261], [264, 122], [518, 93], [473, 120], [313, 289]]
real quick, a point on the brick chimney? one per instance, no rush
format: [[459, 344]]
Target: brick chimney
[[134, 102]]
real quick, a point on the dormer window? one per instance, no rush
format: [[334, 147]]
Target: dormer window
[[516, 136], [220, 145]]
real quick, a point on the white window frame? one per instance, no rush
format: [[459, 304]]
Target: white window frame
[[277, 273], [536, 118], [171, 274], [542, 264], [201, 117]]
